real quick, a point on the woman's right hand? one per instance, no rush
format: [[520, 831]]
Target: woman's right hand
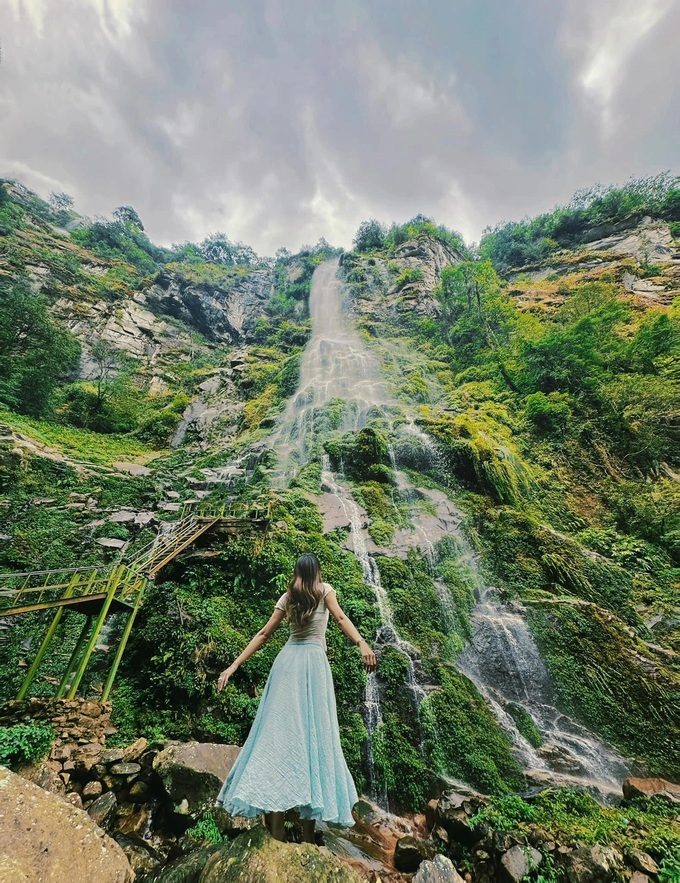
[[224, 678], [368, 657]]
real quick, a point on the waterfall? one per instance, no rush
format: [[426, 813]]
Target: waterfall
[[387, 634], [335, 365], [506, 666], [502, 660]]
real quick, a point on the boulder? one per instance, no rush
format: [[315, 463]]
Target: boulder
[[125, 769], [143, 858], [185, 869], [192, 774], [86, 756], [439, 870], [44, 777], [255, 857], [44, 837], [593, 864], [518, 862], [409, 853], [641, 861], [103, 810], [133, 752], [11, 871], [92, 789], [112, 755], [634, 787], [139, 791], [453, 814]]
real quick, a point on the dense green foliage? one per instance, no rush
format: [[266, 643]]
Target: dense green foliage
[[24, 743], [591, 213], [192, 627], [569, 815], [373, 236], [35, 352], [547, 424], [592, 658]]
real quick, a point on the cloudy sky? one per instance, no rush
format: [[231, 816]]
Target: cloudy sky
[[280, 121]]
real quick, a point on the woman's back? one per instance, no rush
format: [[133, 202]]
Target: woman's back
[[314, 628]]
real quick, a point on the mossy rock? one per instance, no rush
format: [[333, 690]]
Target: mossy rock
[[255, 857]]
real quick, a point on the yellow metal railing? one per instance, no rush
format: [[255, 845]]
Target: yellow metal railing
[[123, 582]]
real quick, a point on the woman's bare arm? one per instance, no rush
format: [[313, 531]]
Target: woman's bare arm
[[348, 627], [256, 644]]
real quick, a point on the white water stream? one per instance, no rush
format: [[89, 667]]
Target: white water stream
[[503, 660]]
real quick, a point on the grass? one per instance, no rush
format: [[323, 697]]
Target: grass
[[79, 444]]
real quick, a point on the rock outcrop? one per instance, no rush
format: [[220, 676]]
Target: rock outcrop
[[192, 774], [255, 857], [635, 787], [47, 838]]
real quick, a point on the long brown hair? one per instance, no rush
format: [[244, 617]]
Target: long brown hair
[[304, 589]]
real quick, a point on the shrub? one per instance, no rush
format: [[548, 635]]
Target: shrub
[[24, 743], [550, 413]]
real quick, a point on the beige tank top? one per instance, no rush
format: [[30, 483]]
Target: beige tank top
[[315, 627]]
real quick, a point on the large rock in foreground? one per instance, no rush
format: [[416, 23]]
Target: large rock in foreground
[[255, 857], [44, 837], [192, 774]]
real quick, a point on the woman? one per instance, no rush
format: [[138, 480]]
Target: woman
[[292, 758]]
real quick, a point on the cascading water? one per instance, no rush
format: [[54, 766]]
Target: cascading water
[[506, 666], [387, 633], [336, 365], [503, 660]]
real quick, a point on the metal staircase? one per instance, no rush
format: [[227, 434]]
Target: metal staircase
[[102, 590]]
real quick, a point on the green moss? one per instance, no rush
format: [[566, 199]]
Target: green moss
[[415, 605], [605, 677], [528, 555], [79, 444], [381, 532], [525, 724], [463, 738], [479, 449]]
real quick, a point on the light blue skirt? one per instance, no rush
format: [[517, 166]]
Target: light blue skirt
[[292, 758]]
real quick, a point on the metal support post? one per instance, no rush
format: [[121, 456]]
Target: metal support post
[[74, 657], [121, 645], [33, 670], [114, 583]]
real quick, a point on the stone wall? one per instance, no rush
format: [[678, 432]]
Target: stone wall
[[75, 721]]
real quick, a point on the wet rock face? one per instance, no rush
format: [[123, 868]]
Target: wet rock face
[[517, 862], [425, 254], [45, 837], [221, 315], [255, 857], [453, 815], [192, 774]]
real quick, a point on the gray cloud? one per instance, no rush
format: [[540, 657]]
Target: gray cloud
[[280, 122]]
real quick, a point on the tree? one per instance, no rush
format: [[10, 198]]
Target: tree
[[479, 315], [218, 249], [106, 359], [370, 235], [35, 352], [127, 215]]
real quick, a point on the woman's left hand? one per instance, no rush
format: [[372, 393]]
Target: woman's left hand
[[224, 677]]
